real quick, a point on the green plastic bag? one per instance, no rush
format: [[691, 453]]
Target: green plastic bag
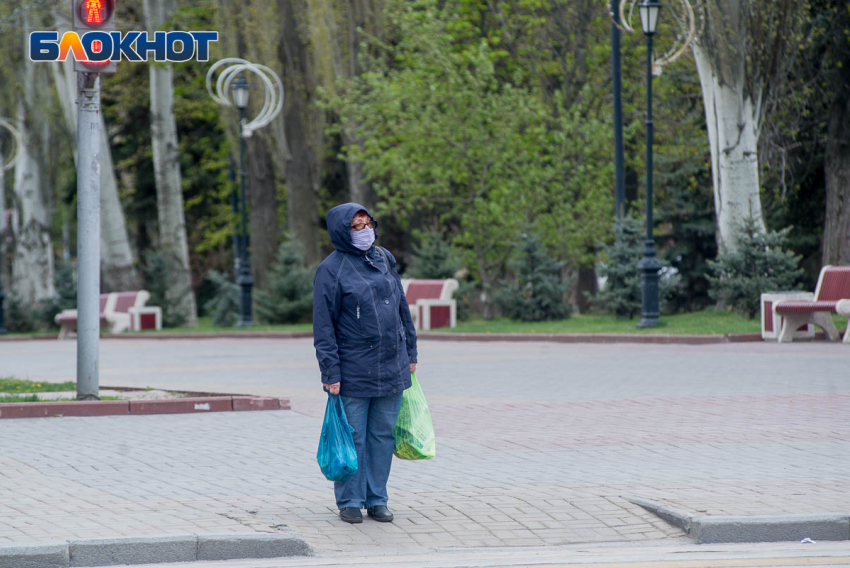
[[414, 431]]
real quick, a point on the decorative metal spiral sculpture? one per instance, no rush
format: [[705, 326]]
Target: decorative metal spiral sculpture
[[15, 155], [687, 23], [273, 102]]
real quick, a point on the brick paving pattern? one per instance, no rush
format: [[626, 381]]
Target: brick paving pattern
[[537, 444]]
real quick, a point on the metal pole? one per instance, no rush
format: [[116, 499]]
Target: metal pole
[[234, 204], [245, 280], [649, 265], [619, 175], [88, 236], [3, 329]]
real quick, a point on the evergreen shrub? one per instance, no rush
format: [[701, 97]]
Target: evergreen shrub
[[759, 263], [155, 269], [289, 298], [17, 316], [538, 292], [621, 295], [223, 304]]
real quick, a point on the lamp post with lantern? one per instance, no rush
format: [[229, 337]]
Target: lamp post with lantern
[[240, 89], [649, 265]]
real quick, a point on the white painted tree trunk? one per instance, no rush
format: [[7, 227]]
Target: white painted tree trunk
[[173, 242], [117, 269], [32, 263], [733, 121]]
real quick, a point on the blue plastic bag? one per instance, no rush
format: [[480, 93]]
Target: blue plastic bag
[[336, 456]]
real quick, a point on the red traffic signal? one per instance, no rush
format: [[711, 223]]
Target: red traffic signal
[[90, 16], [94, 14]]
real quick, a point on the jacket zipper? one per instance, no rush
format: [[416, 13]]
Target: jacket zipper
[[380, 331]]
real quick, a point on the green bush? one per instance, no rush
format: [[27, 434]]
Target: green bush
[[759, 263], [289, 298], [65, 282], [155, 270], [538, 291], [223, 305], [622, 295], [18, 317]]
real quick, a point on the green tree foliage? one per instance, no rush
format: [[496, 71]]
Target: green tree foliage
[[223, 302], [538, 292], [448, 138], [760, 264], [289, 298]]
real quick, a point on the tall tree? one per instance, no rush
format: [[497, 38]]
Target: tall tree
[[836, 231], [169, 192], [743, 52], [118, 271], [32, 264], [303, 124]]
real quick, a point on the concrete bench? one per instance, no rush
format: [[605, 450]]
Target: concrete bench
[[116, 309], [832, 296], [431, 303]]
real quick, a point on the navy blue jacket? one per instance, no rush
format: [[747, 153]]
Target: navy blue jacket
[[362, 329]]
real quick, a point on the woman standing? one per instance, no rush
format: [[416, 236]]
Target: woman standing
[[366, 346]]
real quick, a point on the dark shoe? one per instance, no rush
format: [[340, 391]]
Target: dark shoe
[[351, 515], [380, 513]]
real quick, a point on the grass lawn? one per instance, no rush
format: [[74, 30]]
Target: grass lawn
[[205, 325], [15, 385], [34, 398], [707, 322]]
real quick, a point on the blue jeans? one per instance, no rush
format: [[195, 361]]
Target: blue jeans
[[373, 420]]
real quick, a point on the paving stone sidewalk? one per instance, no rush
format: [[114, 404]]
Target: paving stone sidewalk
[[522, 461]]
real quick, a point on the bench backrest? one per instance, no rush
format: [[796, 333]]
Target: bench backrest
[[103, 299], [833, 284], [418, 289], [126, 300]]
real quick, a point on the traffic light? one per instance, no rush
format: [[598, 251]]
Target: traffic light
[[91, 16]]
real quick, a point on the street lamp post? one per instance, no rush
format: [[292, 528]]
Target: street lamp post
[[243, 278], [649, 265], [3, 329]]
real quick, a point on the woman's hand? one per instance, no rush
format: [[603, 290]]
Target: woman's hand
[[333, 389], [412, 368]]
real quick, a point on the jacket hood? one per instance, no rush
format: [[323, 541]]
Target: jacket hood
[[339, 227]]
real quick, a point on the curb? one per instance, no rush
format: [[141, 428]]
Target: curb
[[238, 403], [714, 529], [452, 336], [153, 549]]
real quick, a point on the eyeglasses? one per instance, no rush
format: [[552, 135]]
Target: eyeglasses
[[361, 226]]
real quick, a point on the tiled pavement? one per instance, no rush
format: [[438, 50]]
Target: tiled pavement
[[537, 444]]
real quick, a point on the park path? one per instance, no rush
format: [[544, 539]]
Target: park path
[[538, 444]]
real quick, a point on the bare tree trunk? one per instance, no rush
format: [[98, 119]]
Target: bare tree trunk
[[117, 269], [301, 171], [732, 115], [836, 232], [169, 192], [263, 208]]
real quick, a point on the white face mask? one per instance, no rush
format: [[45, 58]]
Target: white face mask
[[363, 238]]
